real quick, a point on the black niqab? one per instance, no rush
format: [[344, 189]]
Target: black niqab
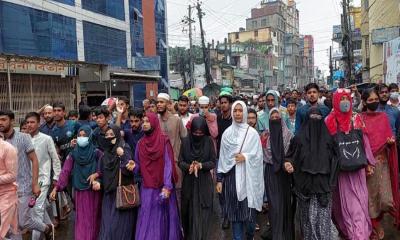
[[111, 162], [277, 147], [199, 145]]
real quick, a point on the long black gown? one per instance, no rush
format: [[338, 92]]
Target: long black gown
[[197, 192]]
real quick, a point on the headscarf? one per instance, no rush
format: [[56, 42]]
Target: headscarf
[[152, 155], [111, 161], [313, 153], [248, 175], [314, 137], [278, 142], [263, 120], [197, 148], [378, 130], [337, 119], [85, 162]]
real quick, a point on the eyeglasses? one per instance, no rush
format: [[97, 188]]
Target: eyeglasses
[[343, 90]]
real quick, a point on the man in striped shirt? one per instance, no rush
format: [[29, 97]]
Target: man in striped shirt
[[28, 173]]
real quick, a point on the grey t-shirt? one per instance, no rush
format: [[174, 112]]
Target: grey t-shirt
[[23, 143]]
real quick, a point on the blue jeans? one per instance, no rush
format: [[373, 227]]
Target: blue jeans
[[237, 228]]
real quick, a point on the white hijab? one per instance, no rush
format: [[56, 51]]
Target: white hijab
[[249, 174]]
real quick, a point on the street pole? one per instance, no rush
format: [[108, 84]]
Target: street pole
[[188, 20], [346, 42], [203, 44], [9, 84], [190, 47], [330, 65]]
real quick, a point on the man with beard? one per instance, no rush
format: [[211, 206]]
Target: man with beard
[[183, 109], [28, 173], [252, 118], [392, 112], [312, 91], [48, 125], [260, 104], [135, 133], [173, 127]]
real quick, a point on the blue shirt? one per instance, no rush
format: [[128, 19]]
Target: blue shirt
[[302, 114], [63, 135], [393, 115], [46, 129]]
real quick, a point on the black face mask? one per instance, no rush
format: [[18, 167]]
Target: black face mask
[[275, 122], [372, 106], [107, 144], [197, 138], [148, 132]]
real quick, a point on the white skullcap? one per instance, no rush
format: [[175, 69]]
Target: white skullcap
[[164, 96], [204, 100], [48, 107], [193, 102]]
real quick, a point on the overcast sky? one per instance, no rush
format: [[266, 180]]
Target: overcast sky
[[223, 16]]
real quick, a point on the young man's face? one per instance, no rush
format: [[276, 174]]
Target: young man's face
[[261, 102], [59, 114], [136, 123], [225, 105], [5, 123], [73, 118], [270, 101], [384, 94], [252, 119], [122, 105], [312, 95], [291, 108], [32, 125], [183, 107], [101, 121]]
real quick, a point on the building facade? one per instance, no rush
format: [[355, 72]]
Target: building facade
[[103, 40], [380, 23]]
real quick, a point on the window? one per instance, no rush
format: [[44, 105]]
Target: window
[[256, 33], [111, 8], [236, 35], [69, 2], [274, 34], [254, 24], [31, 32], [104, 45], [263, 22]]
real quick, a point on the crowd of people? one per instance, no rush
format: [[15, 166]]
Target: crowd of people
[[323, 163]]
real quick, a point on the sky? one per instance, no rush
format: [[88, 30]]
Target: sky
[[223, 16]]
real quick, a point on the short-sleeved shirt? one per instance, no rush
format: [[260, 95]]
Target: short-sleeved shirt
[[62, 137], [23, 143]]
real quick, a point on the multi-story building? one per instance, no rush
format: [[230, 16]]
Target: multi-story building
[[306, 52], [97, 49], [380, 22], [283, 18]]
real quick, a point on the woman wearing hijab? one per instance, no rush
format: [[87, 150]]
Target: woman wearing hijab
[[80, 164], [158, 214], [277, 181], [350, 198], [383, 193], [240, 173], [197, 158], [311, 159], [116, 223]]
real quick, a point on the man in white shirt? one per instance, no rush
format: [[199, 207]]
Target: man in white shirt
[[183, 109], [49, 166]]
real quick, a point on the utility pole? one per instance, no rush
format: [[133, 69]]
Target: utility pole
[[200, 15], [330, 66], [189, 20], [347, 42]]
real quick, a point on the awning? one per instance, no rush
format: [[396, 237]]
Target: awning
[[133, 77]]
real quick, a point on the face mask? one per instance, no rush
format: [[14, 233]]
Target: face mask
[[148, 132], [197, 138], [82, 141], [275, 122], [345, 106], [373, 106]]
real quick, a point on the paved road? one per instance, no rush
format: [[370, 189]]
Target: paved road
[[65, 231]]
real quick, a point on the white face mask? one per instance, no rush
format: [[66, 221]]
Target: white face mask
[[82, 141]]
